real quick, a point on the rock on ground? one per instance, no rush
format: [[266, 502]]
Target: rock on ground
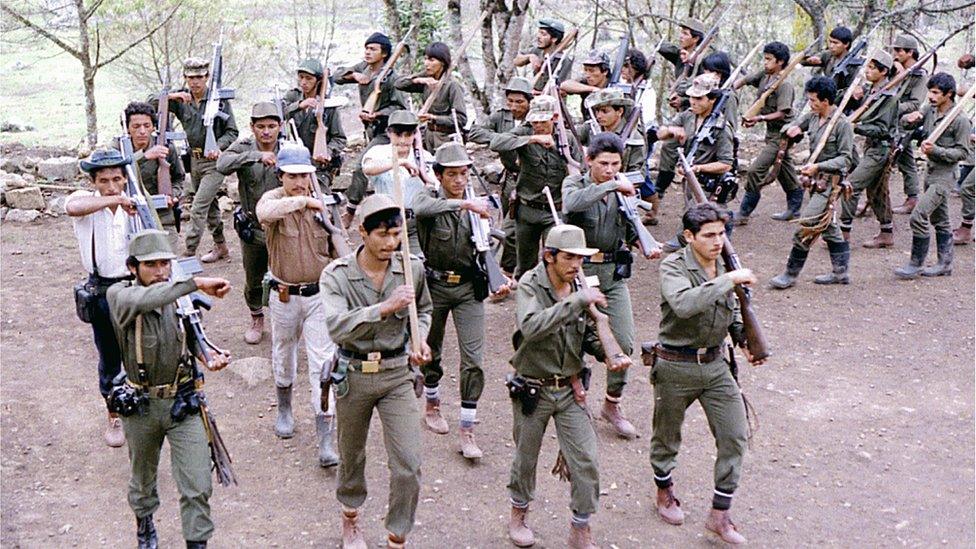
[[29, 198], [55, 206], [22, 216], [62, 168]]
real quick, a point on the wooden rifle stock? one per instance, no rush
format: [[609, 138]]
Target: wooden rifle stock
[[836, 116], [948, 119], [374, 96], [567, 40], [320, 147], [757, 106], [414, 320]]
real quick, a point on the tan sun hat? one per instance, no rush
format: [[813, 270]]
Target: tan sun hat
[[570, 239]]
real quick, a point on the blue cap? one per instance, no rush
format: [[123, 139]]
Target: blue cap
[[295, 159], [104, 158]]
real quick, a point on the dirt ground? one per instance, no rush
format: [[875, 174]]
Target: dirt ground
[[866, 431]]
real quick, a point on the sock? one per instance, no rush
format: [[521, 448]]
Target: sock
[[721, 500], [662, 481], [967, 224], [469, 413], [580, 520], [518, 504], [433, 394], [887, 230], [613, 399]]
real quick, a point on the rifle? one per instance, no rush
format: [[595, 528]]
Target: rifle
[[163, 138], [937, 132], [757, 106], [890, 85], [851, 60], [414, 320], [215, 93], [186, 308], [569, 38], [446, 75], [755, 340], [618, 62], [374, 96], [288, 131], [692, 61], [836, 116], [628, 207], [562, 140], [320, 149]]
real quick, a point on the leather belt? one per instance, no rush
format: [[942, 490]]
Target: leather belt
[[673, 353], [601, 257], [304, 290], [453, 278], [160, 391], [539, 204], [439, 128], [554, 382], [371, 363]]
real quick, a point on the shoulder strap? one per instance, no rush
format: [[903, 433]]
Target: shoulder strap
[[94, 261]]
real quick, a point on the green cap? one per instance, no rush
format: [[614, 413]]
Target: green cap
[[374, 203], [541, 108], [264, 109], [702, 85], [311, 66], [570, 239], [403, 118], [150, 245], [694, 24], [519, 85], [196, 66], [552, 24], [452, 155], [608, 96], [905, 42], [882, 57]]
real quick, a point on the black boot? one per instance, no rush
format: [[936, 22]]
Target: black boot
[[196, 544], [794, 265], [794, 201], [749, 202], [285, 422], [920, 248], [146, 532], [664, 180], [840, 257], [943, 246]]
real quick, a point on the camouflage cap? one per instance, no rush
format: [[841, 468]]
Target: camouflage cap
[[375, 203], [613, 97], [597, 57], [452, 155], [104, 158], [541, 109], [311, 66], [519, 85], [403, 118], [881, 57], [196, 66], [570, 239], [905, 42], [552, 24], [694, 24], [702, 85], [264, 109], [151, 245]]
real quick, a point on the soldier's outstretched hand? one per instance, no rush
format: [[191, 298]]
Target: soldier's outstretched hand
[[217, 287]]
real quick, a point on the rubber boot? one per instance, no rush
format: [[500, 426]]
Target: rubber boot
[[749, 202], [352, 536], [324, 427], [794, 201], [794, 264], [146, 533], [519, 532], [580, 537], [943, 246], [285, 424], [720, 523], [840, 256], [920, 249], [963, 235], [196, 544]]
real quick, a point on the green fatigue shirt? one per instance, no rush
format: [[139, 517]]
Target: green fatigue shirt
[[912, 91], [191, 117], [500, 121], [444, 231], [780, 100], [879, 120], [696, 311], [633, 159], [449, 99], [838, 154], [162, 332], [352, 305], [720, 150], [390, 98], [148, 174], [254, 178], [950, 148], [594, 208], [307, 124], [564, 71], [552, 334], [539, 166]]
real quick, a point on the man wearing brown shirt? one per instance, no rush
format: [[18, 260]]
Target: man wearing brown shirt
[[298, 250]]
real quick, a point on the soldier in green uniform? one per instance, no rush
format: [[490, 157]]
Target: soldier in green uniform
[[548, 36], [596, 76], [550, 379], [835, 160], [838, 45], [608, 106], [188, 105], [877, 125], [449, 102], [377, 50], [254, 159], [592, 201], [541, 165], [967, 175], [156, 354], [444, 229], [367, 302], [698, 311], [299, 105], [776, 112], [942, 156], [911, 96], [518, 94]]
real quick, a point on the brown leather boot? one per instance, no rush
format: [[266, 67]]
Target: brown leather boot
[[612, 413], [253, 335], [394, 541], [581, 538], [352, 536], [218, 252], [720, 524], [114, 436], [469, 448], [433, 418], [881, 240], [668, 507], [907, 206], [963, 235], [519, 532]]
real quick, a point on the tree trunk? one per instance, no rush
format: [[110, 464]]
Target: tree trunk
[[456, 25], [89, 68], [815, 10]]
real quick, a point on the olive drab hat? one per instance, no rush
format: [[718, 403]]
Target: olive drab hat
[[570, 239], [597, 57], [375, 203], [613, 97], [295, 159], [519, 85], [542, 108], [452, 155], [552, 25], [311, 66], [905, 42], [693, 24], [403, 118], [151, 245], [196, 66], [702, 85], [264, 109], [882, 58], [104, 158]]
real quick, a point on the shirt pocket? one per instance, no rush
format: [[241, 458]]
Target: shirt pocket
[[442, 234]]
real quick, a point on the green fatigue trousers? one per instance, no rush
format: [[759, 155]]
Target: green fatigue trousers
[[676, 386], [761, 164], [509, 259], [668, 161], [390, 392], [204, 212], [469, 323], [254, 255], [909, 169], [577, 440], [189, 457], [966, 193], [356, 191], [621, 314], [932, 209], [810, 216], [531, 227], [866, 177]]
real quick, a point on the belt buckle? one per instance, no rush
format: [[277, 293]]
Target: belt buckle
[[372, 363], [596, 258], [558, 382], [453, 278], [700, 353]]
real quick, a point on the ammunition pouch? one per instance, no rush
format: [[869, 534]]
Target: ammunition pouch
[[244, 225], [186, 403], [623, 260], [524, 391], [721, 188], [125, 400], [85, 302]]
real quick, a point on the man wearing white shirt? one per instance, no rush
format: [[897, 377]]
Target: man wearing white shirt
[[101, 218]]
